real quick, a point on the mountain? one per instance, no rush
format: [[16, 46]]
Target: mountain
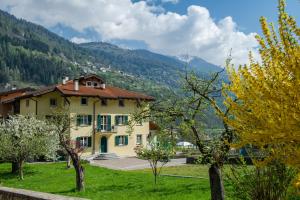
[[145, 64], [31, 55]]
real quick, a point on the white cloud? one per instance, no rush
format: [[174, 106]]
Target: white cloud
[[79, 40], [194, 33], [170, 1]]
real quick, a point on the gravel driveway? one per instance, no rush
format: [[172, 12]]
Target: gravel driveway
[[132, 163]]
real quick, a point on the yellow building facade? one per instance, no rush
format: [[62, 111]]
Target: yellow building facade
[[99, 114]]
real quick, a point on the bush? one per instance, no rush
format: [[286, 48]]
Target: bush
[[265, 183]]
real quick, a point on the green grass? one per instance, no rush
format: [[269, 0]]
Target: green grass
[[103, 183], [186, 170]]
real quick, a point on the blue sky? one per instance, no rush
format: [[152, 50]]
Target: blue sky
[[246, 13], [209, 29]]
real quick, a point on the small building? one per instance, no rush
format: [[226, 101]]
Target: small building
[[8, 103]]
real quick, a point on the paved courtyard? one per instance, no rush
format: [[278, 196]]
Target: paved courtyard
[[132, 163]]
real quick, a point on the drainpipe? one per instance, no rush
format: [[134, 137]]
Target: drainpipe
[[94, 126]]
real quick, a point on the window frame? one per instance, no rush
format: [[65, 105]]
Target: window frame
[[85, 141], [121, 103], [89, 84], [102, 102], [84, 120], [121, 118], [137, 139], [103, 122], [95, 84], [122, 140], [86, 101], [51, 101]]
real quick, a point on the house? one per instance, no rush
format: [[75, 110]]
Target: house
[[8, 105], [100, 113]]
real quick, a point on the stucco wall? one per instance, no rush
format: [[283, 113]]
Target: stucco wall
[[20, 194], [112, 108]]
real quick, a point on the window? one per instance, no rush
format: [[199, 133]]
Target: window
[[88, 83], [53, 102], [84, 101], [104, 102], [104, 122], [121, 120], [27, 102], [84, 120], [66, 103], [121, 103], [139, 139], [84, 141], [121, 140], [95, 84]]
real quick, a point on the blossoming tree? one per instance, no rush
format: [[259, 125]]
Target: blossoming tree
[[25, 137], [267, 113]]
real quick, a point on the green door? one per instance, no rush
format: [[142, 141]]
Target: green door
[[103, 146]]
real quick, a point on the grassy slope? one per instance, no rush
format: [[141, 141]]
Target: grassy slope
[[110, 184]]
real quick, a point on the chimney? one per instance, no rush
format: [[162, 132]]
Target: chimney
[[64, 80], [76, 84]]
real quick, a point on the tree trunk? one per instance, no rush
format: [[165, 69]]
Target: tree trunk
[[216, 183], [68, 162], [14, 167], [79, 177], [20, 165], [79, 172]]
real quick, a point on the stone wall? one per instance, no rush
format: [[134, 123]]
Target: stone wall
[[20, 194]]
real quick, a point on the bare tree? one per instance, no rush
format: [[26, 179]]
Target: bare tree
[[62, 122], [186, 111]]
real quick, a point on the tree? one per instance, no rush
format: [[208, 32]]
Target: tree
[[157, 154], [267, 113], [186, 111], [62, 123], [25, 137]]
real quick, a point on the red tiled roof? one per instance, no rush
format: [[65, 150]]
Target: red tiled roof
[[67, 89], [109, 92], [153, 126], [9, 96]]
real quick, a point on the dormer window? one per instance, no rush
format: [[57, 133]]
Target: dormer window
[[89, 84]]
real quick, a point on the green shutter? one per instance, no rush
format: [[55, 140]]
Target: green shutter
[[117, 120], [126, 120], [126, 140], [77, 142], [78, 120], [90, 119], [117, 140], [99, 122], [89, 141], [108, 123]]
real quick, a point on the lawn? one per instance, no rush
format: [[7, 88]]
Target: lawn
[[104, 183]]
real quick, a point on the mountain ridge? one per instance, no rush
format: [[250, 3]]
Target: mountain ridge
[[29, 51]]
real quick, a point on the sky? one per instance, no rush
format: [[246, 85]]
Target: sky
[[209, 29]]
